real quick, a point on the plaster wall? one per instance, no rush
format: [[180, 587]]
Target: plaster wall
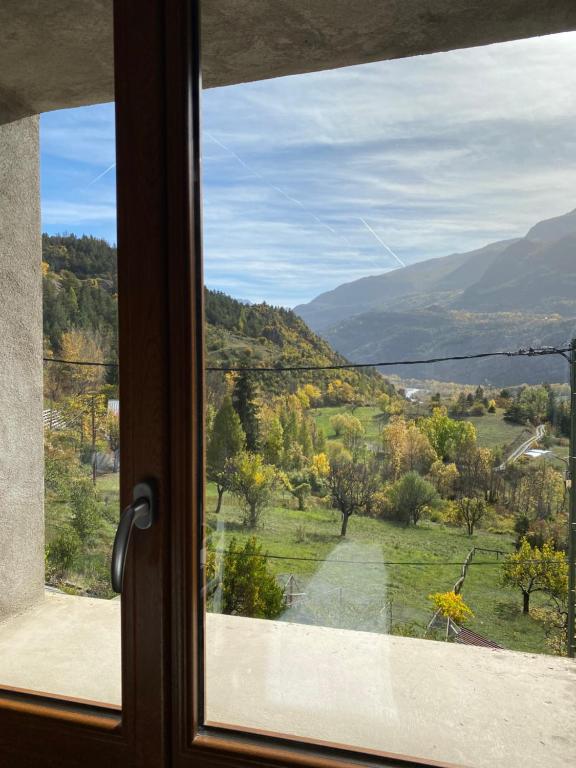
[[21, 429], [59, 54]]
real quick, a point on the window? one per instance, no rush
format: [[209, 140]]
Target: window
[[279, 630], [387, 548]]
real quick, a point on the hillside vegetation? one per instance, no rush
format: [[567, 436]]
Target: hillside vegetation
[[80, 322]]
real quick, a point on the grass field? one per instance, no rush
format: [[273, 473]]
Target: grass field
[[108, 487], [493, 431], [370, 592], [375, 589]]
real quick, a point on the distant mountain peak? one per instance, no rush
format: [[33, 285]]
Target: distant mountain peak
[[555, 228], [520, 291]]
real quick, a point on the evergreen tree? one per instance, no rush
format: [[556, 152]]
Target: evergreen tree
[[242, 582], [320, 441], [244, 402], [305, 440], [226, 441]]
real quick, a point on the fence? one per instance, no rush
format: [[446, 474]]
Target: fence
[[457, 588]]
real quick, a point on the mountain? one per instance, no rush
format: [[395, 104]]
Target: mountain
[[260, 335], [79, 290], [434, 281], [80, 294], [509, 294]]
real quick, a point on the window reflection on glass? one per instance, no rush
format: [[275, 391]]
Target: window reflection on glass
[[387, 564]]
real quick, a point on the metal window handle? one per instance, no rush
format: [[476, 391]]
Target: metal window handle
[[139, 514]]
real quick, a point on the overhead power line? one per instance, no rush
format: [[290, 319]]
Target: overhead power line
[[530, 352], [527, 352], [79, 362], [431, 564]]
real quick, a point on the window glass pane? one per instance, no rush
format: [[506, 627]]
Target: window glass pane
[[387, 547], [59, 407]]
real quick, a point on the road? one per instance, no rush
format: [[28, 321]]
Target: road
[[525, 446]]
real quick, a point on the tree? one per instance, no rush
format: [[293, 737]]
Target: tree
[[319, 441], [352, 433], [447, 436], [85, 518], [226, 441], [419, 455], [300, 488], [554, 620], [252, 482], [469, 512], [531, 404], [349, 428], [444, 477], [271, 436], [451, 606], [540, 493], [244, 399], [320, 465], [352, 485], [55, 381], [338, 423], [535, 569], [475, 467], [410, 496], [309, 395], [391, 406], [340, 393], [305, 439], [242, 583], [79, 345], [405, 448]]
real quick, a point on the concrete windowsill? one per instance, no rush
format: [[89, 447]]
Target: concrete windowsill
[[468, 706]]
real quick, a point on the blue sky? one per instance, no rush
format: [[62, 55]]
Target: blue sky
[[434, 154]]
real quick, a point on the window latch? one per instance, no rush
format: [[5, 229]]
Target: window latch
[[139, 514]]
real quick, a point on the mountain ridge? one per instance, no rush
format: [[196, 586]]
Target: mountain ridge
[[508, 293], [80, 295]]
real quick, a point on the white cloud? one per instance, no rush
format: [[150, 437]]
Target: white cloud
[[439, 153]]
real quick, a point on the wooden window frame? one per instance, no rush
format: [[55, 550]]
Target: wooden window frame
[[41, 730], [193, 742]]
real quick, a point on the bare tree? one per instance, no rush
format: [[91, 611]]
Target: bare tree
[[352, 484], [469, 512]]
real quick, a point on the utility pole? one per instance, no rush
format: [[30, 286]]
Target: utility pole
[[93, 440], [572, 511]]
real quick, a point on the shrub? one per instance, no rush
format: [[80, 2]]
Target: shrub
[[242, 584], [85, 516], [410, 496], [451, 606], [62, 552]]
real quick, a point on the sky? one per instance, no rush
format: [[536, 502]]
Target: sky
[[315, 180]]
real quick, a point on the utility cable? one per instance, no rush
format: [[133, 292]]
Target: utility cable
[[528, 352]]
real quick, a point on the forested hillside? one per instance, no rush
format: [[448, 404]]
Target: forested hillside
[[79, 292], [261, 335], [80, 322]]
